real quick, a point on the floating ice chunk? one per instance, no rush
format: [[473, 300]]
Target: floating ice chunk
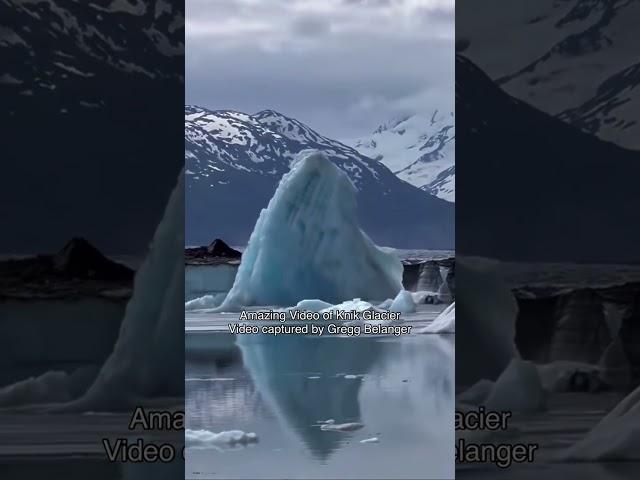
[[306, 244], [615, 438], [313, 305], [356, 304], [370, 440], [206, 438], [518, 389], [207, 301], [341, 427], [444, 323], [403, 303]]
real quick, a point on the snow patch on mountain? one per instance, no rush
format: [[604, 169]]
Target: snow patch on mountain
[[419, 149], [573, 58]]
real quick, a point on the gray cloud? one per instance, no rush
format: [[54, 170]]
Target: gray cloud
[[342, 66], [310, 26]]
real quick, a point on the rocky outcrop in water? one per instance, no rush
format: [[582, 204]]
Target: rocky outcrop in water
[[78, 270], [217, 252]]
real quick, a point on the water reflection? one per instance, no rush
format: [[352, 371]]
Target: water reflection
[[400, 389], [281, 368]]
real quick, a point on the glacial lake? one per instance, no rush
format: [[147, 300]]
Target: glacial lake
[[396, 389]]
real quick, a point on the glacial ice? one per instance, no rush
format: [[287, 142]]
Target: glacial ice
[[403, 303], [148, 357], [487, 312], [444, 323], [615, 438], [313, 305], [519, 389], [52, 386], [306, 244], [204, 302]]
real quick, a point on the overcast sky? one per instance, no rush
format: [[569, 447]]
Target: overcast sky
[[341, 66]]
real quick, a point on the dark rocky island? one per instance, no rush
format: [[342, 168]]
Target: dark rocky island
[[216, 253], [77, 270]]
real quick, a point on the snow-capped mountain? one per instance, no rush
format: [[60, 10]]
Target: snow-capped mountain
[[573, 58], [88, 91], [234, 162], [419, 149], [532, 188]]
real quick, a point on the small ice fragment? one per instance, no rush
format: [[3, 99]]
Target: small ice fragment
[[341, 427], [370, 440], [204, 438]]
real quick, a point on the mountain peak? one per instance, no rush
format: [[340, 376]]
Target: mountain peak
[[218, 248], [79, 258], [225, 155]]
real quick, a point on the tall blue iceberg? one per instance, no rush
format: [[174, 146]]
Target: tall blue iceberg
[[307, 245]]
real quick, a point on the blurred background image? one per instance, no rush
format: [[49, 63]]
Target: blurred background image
[[547, 237], [92, 213]]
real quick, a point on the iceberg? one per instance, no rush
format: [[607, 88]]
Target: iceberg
[[307, 245], [148, 357]]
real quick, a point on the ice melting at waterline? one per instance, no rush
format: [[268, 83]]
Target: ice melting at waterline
[[307, 245]]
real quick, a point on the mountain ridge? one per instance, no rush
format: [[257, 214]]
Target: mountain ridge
[[418, 148], [233, 158]]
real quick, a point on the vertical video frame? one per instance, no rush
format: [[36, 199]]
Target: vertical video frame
[[319, 239]]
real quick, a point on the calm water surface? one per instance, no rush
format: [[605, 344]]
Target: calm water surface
[[281, 388]]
